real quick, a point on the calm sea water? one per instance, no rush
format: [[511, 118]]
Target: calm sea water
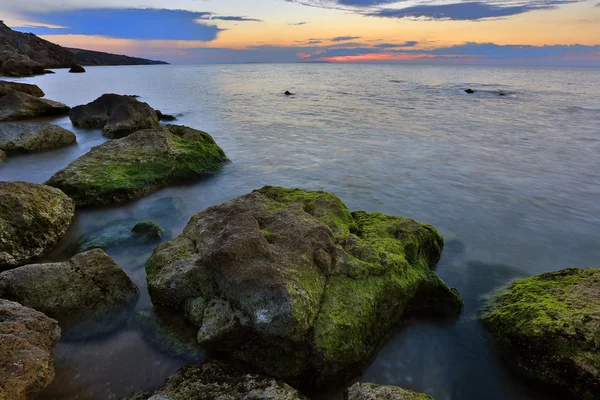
[[512, 182]]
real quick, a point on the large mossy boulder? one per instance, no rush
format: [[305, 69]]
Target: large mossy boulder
[[88, 295], [31, 138], [294, 284], [117, 115], [32, 220], [548, 328], [370, 391], [33, 90], [124, 169], [18, 105], [215, 381], [27, 338]]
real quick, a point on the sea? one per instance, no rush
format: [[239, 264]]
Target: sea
[[512, 182]]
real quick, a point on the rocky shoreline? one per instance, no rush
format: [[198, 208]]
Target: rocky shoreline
[[285, 290]]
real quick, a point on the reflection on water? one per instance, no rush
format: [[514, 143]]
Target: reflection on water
[[512, 182]]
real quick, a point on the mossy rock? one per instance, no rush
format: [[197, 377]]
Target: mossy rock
[[548, 328], [296, 285], [31, 138], [124, 169], [148, 229], [32, 220], [33, 90], [370, 391], [18, 105]]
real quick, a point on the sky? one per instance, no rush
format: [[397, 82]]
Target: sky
[[513, 32]]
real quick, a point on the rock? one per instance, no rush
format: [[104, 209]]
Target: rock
[[215, 380], [128, 117], [95, 115], [88, 295], [31, 138], [77, 69], [49, 72], [32, 219], [297, 286], [149, 230], [124, 169], [19, 65], [501, 94], [27, 338], [33, 90], [164, 117], [370, 391], [470, 91], [287, 93], [2, 156], [548, 328], [18, 105], [169, 334]]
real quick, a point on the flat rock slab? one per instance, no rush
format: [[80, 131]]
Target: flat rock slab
[[18, 105], [292, 283], [370, 391], [31, 138], [27, 338], [124, 169], [215, 380], [548, 328], [32, 220], [88, 295], [33, 90]]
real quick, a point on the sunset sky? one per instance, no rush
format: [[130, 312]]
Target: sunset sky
[[553, 32]]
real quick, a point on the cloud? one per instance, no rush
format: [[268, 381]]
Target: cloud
[[231, 18], [410, 43], [344, 38], [128, 23], [298, 23]]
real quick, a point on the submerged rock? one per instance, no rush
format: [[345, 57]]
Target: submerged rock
[[297, 286], [116, 115], [125, 169], [77, 69], [32, 219], [215, 380], [88, 295], [18, 105], [470, 91], [32, 90], [548, 327], [31, 138], [148, 229], [121, 235], [370, 391], [27, 338]]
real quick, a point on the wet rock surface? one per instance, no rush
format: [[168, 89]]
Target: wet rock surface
[[31, 138], [18, 105], [33, 90], [27, 338], [370, 391]]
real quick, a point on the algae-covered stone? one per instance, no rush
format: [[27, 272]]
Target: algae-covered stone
[[18, 105], [32, 219], [294, 284], [125, 169], [27, 338], [30, 138], [548, 327], [33, 90], [148, 229], [370, 391], [217, 381], [88, 295]]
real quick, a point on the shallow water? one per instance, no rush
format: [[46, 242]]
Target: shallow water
[[512, 182]]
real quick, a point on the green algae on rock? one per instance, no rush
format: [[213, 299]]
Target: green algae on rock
[[370, 391], [548, 327], [215, 380], [31, 138], [294, 284], [124, 169], [32, 220], [148, 229], [89, 295], [27, 338]]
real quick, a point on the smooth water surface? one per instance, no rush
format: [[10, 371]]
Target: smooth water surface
[[512, 182]]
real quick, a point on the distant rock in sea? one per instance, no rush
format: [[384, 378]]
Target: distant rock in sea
[[77, 69], [470, 91], [288, 93]]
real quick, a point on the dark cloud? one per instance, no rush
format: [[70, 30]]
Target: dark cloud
[[344, 38], [231, 18], [298, 23], [410, 43]]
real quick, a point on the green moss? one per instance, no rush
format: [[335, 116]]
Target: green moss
[[306, 286]]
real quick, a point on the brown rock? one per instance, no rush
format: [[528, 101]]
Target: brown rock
[[18, 105]]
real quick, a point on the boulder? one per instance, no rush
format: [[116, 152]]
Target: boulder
[[27, 338], [18, 65], [124, 169], [33, 90], [18, 105], [548, 327], [31, 138], [95, 115], [2, 156], [370, 391], [77, 69], [215, 380], [49, 72], [88, 295], [121, 235], [288, 93], [32, 220], [295, 285], [148, 230], [164, 117], [128, 117], [469, 91]]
